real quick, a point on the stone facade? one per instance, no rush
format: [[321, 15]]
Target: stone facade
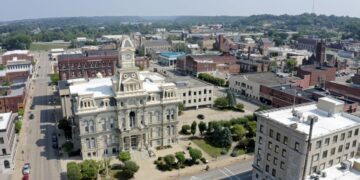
[[124, 112], [7, 142]]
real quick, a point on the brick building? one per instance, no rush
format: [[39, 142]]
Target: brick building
[[225, 44], [208, 64], [307, 43], [16, 54], [12, 98], [16, 71], [348, 91], [253, 65], [318, 75], [142, 62]]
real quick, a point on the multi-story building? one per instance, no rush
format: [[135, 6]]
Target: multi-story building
[[194, 64], [12, 97], [293, 142], [7, 142], [125, 112], [307, 43], [192, 92], [16, 71], [169, 58], [152, 46], [318, 74], [17, 54]]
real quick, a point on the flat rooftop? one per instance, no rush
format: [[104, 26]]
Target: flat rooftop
[[4, 120], [267, 78], [186, 82], [325, 124], [16, 52], [99, 87], [337, 173]]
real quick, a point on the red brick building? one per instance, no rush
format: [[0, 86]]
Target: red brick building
[[85, 66], [318, 75], [253, 65], [225, 44], [17, 54], [12, 98], [348, 91], [142, 62], [204, 63]]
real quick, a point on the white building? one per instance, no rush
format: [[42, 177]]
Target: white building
[[7, 142], [126, 112], [283, 149]]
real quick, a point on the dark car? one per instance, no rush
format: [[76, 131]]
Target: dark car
[[55, 145], [32, 107], [200, 116], [31, 116], [54, 138]]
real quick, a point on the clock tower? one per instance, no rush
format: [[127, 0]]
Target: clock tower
[[126, 80]]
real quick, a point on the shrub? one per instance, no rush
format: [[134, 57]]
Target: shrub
[[169, 159], [131, 165], [180, 157], [124, 156], [68, 146], [73, 171], [126, 174], [203, 160], [185, 129], [202, 127], [235, 153], [195, 154], [18, 125], [223, 152], [193, 127]]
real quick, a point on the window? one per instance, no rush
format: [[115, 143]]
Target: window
[[349, 134], [273, 172], [278, 136], [342, 137], [347, 146], [261, 128], [354, 143], [1, 140], [322, 166], [333, 151], [6, 164], [327, 141], [270, 145], [335, 139], [271, 133], [184, 94], [4, 152], [189, 93], [352, 154], [297, 146], [268, 157], [324, 154], [315, 157], [331, 162], [260, 140], [275, 161], [318, 144], [267, 168], [283, 153], [356, 132], [285, 140], [345, 157], [282, 165], [189, 101], [194, 92], [276, 148], [340, 148], [338, 159]]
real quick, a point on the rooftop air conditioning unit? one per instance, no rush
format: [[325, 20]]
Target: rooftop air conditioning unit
[[294, 125]]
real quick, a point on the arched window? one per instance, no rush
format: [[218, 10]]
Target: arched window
[[132, 119], [91, 126], [86, 126], [6, 164]]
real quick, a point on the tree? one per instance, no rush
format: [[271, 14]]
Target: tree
[[251, 127], [89, 169], [221, 102], [73, 171], [169, 159], [66, 127], [195, 154], [231, 98], [54, 78], [202, 127], [17, 41], [68, 146], [130, 168], [193, 127], [124, 156], [290, 65], [226, 138], [181, 108], [18, 125], [239, 132], [180, 157], [243, 143], [2, 67], [185, 129]]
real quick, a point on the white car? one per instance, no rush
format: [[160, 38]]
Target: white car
[[26, 168]]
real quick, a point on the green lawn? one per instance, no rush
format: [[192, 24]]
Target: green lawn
[[47, 47], [208, 148]]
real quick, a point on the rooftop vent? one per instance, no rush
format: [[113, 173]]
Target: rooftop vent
[[294, 125], [312, 117], [297, 114]]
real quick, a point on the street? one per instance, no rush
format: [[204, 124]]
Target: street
[[35, 144], [237, 171]]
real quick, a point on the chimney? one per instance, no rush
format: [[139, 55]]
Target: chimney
[[249, 52]]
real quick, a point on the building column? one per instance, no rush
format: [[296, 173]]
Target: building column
[[121, 143], [129, 146]]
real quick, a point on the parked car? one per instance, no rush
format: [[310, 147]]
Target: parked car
[[26, 177], [26, 168], [31, 116], [32, 107], [54, 138], [55, 144]]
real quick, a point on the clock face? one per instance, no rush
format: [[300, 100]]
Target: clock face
[[128, 56]]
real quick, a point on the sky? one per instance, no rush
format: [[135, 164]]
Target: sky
[[32, 9]]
